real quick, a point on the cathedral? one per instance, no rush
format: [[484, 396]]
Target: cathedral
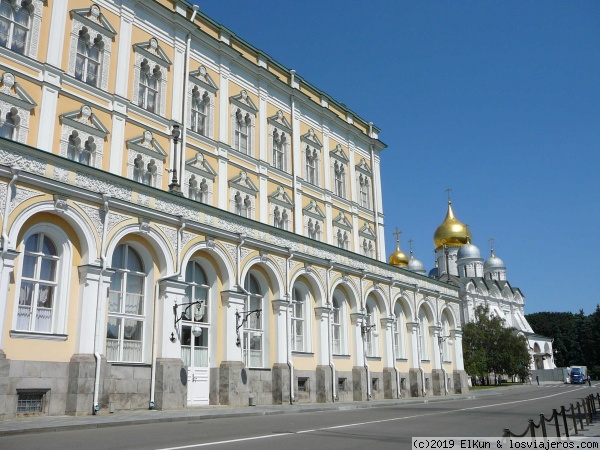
[[459, 263]]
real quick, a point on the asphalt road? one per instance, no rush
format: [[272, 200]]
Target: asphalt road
[[382, 428]]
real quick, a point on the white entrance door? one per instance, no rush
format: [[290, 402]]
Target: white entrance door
[[194, 353]]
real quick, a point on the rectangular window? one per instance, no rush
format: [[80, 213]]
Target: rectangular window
[[14, 26], [303, 384], [341, 384], [298, 326], [30, 402], [375, 384]]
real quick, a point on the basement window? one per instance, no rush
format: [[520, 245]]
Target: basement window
[[302, 384], [375, 384], [31, 401], [341, 384]]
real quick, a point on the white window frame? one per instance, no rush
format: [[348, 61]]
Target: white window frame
[[151, 64], [88, 56], [424, 336], [399, 332], [12, 25], [364, 191], [87, 126], [339, 324], [122, 315], [339, 179], [11, 122], [253, 329], [200, 111], [312, 158], [195, 350], [299, 318], [63, 276], [279, 143], [82, 152]]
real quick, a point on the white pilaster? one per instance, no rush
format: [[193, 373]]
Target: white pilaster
[[222, 179], [322, 317], [459, 364], [413, 332], [326, 160], [262, 125], [280, 314], [434, 333], [263, 199], [177, 83], [356, 319], [355, 241], [8, 266], [117, 141], [328, 224], [171, 292], [124, 52], [232, 301], [223, 104], [47, 119], [56, 38], [388, 336], [93, 284]]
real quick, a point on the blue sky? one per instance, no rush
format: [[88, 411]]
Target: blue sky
[[499, 101]]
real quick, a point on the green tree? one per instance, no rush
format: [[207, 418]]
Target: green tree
[[490, 346]]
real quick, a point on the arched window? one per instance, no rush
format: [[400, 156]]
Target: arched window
[[37, 294], [88, 60], [14, 24], [371, 327], [195, 322], [339, 172], [424, 336], [279, 143], [242, 131], [200, 105], [126, 306], [338, 324], [252, 344], [399, 330], [364, 191], [148, 87], [445, 330], [300, 300], [312, 166]]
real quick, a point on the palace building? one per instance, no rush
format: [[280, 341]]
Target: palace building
[[187, 222]]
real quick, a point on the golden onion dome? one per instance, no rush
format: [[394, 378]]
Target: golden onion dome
[[398, 258], [452, 232]]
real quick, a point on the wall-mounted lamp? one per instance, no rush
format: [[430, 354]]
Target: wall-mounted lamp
[[185, 313], [173, 338], [364, 329], [241, 321]]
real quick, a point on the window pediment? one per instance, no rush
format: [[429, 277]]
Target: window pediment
[[202, 78], [311, 139], [367, 231], [244, 101], [86, 119], [243, 183], [153, 51], [363, 167], [93, 18], [279, 121], [200, 166], [339, 154], [342, 221], [281, 197], [148, 145], [313, 210], [13, 93]]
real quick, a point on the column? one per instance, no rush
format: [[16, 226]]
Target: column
[[388, 336], [56, 39], [434, 333], [415, 377], [280, 314], [459, 363], [359, 373], [324, 381], [356, 319], [123, 52]]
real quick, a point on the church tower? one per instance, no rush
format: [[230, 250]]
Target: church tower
[[494, 268]]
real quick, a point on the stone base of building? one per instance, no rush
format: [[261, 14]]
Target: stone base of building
[[171, 383], [234, 386], [461, 384], [359, 383], [324, 392], [415, 382]]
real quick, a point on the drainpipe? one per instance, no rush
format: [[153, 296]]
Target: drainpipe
[[177, 274], [185, 96], [331, 364], [364, 308], [15, 175], [287, 326], [423, 390], [441, 342], [398, 387], [97, 338]]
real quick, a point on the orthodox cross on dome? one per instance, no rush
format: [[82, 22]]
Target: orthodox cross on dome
[[491, 241], [397, 233], [448, 191], [410, 241], [467, 233]]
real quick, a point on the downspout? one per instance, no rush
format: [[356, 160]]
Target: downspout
[[423, 390], [177, 274], [330, 346], [104, 264], [393, 317], [287, 326], [186, 82], [375, 194], [362, 335], [15, 175], [441, 343]]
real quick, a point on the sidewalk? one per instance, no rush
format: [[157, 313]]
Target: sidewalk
[[37, 424]]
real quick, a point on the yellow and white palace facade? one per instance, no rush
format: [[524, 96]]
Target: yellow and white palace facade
[[187, 222]]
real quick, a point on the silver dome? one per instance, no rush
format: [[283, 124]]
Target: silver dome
[[414, 265], [434, 273], [493, 262], [468, 251]]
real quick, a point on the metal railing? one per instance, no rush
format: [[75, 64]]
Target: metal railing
[[574, 413]]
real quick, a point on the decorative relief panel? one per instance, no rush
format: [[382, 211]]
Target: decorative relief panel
[[231, 251], [114, 219], [280, 263], [171, 234], [245, 252], [322, 273], [61, 174], [143, 200], [21, 196], [187, 237], [95, 214], [235, 227], [94, 184], [171, 207], [24, 162]]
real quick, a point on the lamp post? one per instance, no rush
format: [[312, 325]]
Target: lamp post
[[175, 187], [364, 329]]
